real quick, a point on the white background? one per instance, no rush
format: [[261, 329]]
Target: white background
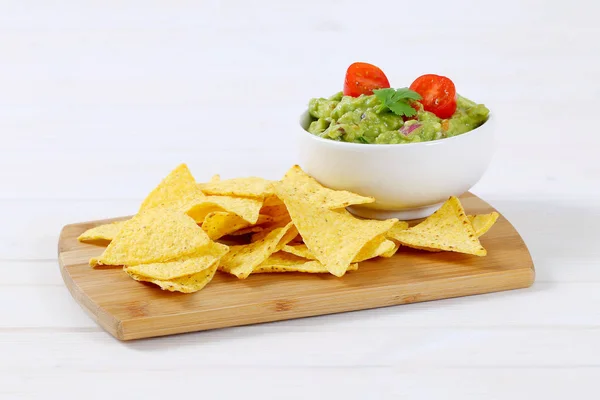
[[98, 101]]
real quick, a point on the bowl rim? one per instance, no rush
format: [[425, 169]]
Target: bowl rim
[[438, 142]]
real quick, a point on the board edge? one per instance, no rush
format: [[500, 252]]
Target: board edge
[[106, 320]]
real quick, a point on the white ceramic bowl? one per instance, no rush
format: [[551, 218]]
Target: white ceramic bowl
[[408, 181]]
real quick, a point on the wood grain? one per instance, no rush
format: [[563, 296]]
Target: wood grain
[[132, 310]]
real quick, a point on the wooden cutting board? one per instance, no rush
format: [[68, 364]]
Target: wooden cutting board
[[128, 309]]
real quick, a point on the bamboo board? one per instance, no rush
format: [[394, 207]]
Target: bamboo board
[[128, 309]]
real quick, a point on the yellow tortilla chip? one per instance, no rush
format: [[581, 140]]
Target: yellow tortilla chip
[[252, 187], [483, 222], [155, 235], [263, 219], [299, 250], [245, 231], [246, 228], [375, 248], [268, 228], [241, 260], [276, 212], [286, 262], [389, 253], [306, 189], [215, 178], [178, 190], [272, 200], [101, 233], [378, 247], [207, 257], [184, 284], [398, 226], [334, 237], [220, 223], [447, 229], [245, 208]]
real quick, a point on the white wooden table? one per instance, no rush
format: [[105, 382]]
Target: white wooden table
[[99, 101]]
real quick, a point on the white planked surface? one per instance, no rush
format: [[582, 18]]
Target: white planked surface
[[99, 100]]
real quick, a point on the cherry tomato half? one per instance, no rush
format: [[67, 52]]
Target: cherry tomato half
[[438, 93], [363, 78]]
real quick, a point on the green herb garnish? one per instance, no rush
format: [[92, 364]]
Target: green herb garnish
[[397, 100], [362, 140]]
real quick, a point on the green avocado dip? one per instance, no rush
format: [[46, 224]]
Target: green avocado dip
[[360, 120]]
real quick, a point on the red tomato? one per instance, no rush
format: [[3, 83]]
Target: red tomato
[[438, 92], [363, 78]]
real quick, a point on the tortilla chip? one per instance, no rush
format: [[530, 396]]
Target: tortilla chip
[[447, 229], [334, 237], [272, 200], [276, 212], [101, 233], [215, 178], [241, 260], [220, 223], [483, 222], [286, 262], [299, 250], [207, 257], [247, 209], [398, 226], [389, 253], [267, 228], [184, 284], [263, 219], [375, 248], [245, 231], [305, 188], [178, 191], [153, 236], [252, 187]]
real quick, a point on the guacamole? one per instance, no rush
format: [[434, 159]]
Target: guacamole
[[359, 120]]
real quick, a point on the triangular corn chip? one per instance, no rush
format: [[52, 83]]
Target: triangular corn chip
[[272, 200], [268, 227], [299, 250], [101, 233], [398, 226], [155, 235], [245, 208], [389, 253], [483, 222], [447, 229], [286, 262], [178, 190], [207, 257], [184, 284], [220, 223], [375, 248], [305, 188], [263, 219], [245, 231], [334, 237], [241, 260], [276, 212], [378, 247], [252, 187]]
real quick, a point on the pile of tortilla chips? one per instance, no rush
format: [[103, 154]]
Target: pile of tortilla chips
[[184, 231]]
